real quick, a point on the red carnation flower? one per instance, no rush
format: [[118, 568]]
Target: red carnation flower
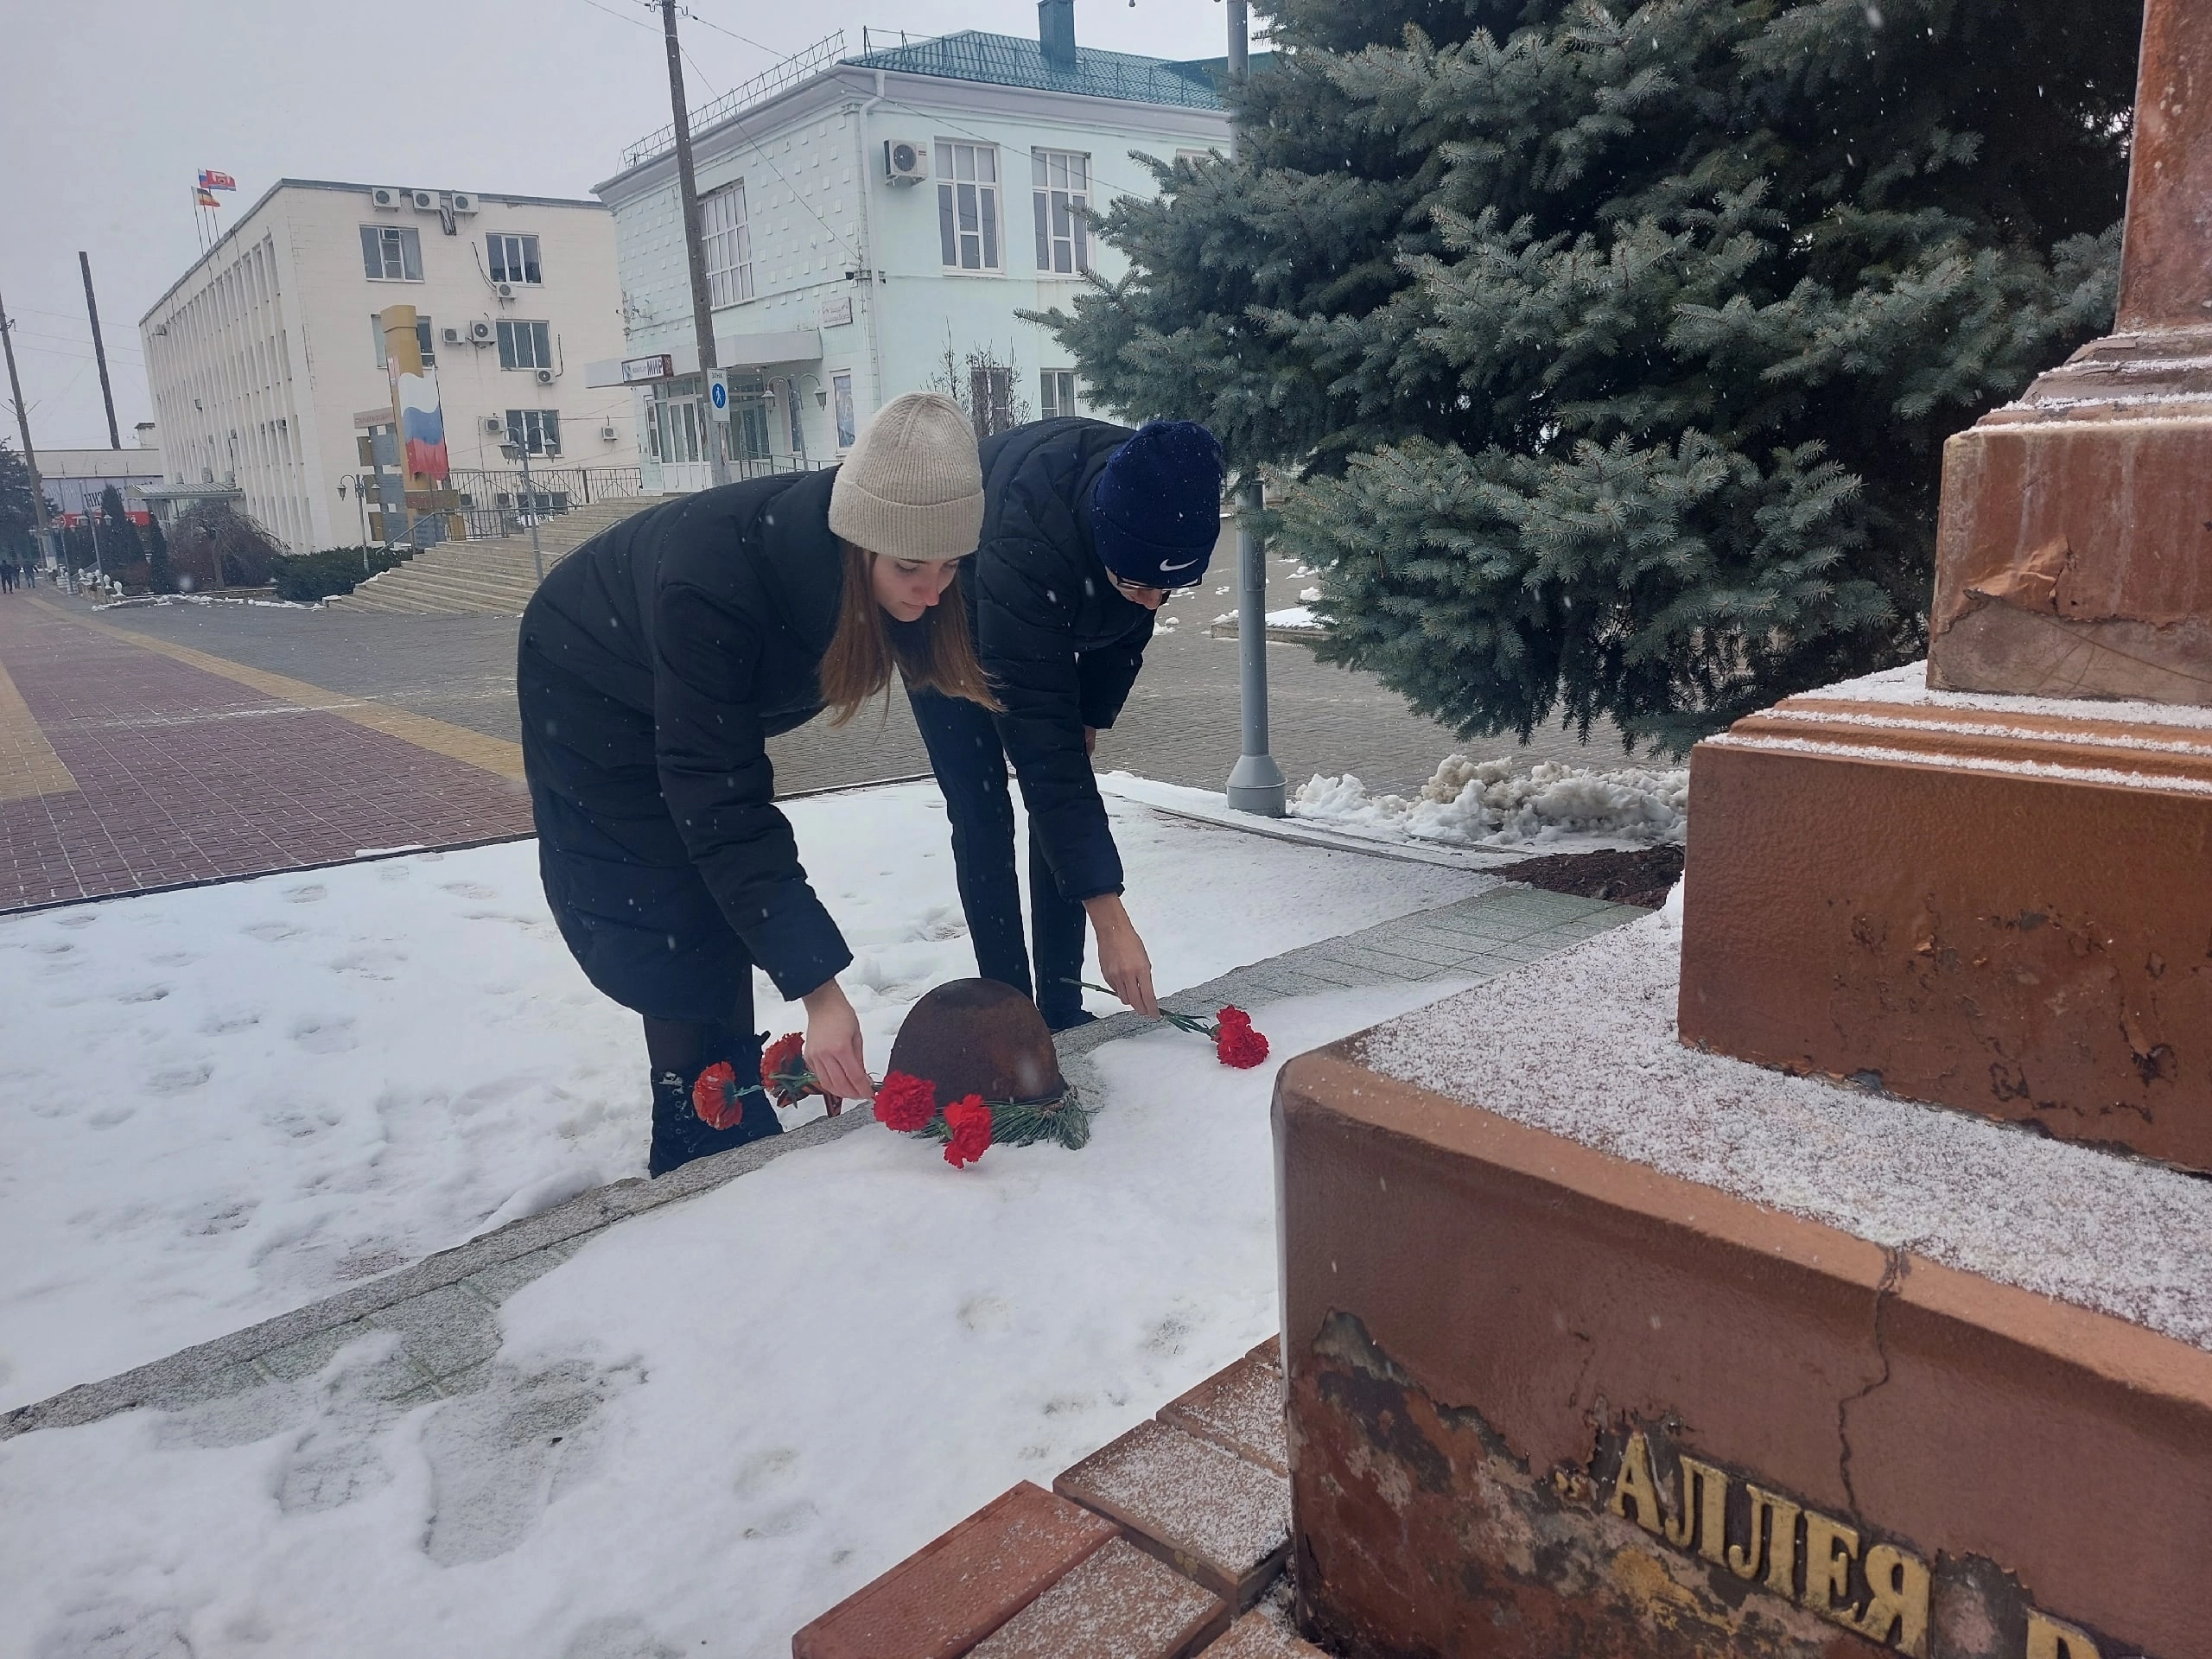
[[969, 1120], [906, 1104], [1235, 1042], [783, 1071], [715, 1097], [1234, 1016]]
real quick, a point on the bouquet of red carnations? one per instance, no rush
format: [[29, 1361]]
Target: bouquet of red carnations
[[966, 1126], [1235, 1042]]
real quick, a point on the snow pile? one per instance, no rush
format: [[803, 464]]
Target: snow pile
[[716, 1420], [220, 1103], [1489, 803]]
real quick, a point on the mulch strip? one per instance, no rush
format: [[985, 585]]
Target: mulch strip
[[1639, 878]]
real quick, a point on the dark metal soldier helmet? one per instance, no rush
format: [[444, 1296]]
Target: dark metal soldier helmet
[[978, 1036]]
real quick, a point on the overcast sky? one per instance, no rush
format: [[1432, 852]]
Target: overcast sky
[[110, 107]]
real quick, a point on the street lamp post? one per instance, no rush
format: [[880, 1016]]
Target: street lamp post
[[1255, 783], [511, 451]]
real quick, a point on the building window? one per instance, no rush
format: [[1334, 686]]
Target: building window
[[538, 430], [967, 205], [1063, 192], [729, 242], [525, 345], [514, 259], [392, 253], [1056, 393], [840, 399], [423, 337]]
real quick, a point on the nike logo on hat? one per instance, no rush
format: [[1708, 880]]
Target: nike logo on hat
[[1185, 565]]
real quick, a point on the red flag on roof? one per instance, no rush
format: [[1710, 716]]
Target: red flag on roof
[[211, 179], [201, 199]]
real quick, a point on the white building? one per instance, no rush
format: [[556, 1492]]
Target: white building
[[864, 217], [268, 371], [75, 480]]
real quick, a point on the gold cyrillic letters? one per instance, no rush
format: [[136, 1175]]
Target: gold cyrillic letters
[[1897, 1600], [1830, 1548], [1703, 1512], [1899, 1586], [1634, 1485], [2048, 1639]]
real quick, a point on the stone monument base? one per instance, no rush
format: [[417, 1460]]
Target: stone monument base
[[2002, 904], [1600, 1346]]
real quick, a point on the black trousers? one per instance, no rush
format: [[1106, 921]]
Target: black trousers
[[971, 773]]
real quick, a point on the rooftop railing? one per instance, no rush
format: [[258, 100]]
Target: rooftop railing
[[766, 84]]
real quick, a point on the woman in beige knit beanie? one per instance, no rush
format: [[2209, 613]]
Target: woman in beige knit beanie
[[655, 662]]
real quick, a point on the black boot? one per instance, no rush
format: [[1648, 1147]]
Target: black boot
[[680, 1135]]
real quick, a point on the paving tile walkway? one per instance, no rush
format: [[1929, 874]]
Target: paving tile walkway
[[128, 763], [443, 1310]]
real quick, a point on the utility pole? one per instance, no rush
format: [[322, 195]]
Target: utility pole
[[99, 351], [1255, 783], [23, 428], [687, 182]]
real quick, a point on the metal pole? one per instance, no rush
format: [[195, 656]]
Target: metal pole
[[99, 351], [687, 181], [1255, 783], [537, 557], [23, 430]]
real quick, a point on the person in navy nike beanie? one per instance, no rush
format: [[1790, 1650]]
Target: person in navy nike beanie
[[1088, 528], [1155, 511]]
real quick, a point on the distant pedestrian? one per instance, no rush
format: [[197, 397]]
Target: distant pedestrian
[[7, 575], [655, 661]]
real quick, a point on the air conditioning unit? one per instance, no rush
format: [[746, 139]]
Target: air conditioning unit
[[906, 161], [385, 195], [607, 435], [451, 336], [506, 290], [426, 201], [494, 424], [462, 201], [480, 334], [545, 377]]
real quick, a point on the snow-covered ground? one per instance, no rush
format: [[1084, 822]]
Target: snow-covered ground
[[221, 1103], [716, 1420], [1549, 807]]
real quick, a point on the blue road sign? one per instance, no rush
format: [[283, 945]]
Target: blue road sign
[[719, 394]]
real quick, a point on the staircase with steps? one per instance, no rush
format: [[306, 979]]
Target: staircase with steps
[[485, 578]]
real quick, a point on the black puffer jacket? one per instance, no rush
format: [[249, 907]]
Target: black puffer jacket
[[655, 661], [1061, 644]]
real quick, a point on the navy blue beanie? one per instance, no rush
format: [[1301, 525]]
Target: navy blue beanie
[[1156, 512]]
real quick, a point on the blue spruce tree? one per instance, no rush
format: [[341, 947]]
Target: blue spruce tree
[[1611, 348]]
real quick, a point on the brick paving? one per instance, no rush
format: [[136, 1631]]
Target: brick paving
[[179, 775], [1181, 725]]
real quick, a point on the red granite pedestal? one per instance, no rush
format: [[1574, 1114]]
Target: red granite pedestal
[[1547, 1402]]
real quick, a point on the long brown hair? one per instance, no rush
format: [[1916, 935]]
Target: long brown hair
[[936, 655]]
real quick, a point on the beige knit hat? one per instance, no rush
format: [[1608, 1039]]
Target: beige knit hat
[[913, 488]]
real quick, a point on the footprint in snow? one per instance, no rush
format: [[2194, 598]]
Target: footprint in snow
[[149, 994], [470, 889], [272, 932], [84, 919], [325, 1036], [498, 1458], [180, 1080], [222, 1024], [114, 1629], [308, 894]]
